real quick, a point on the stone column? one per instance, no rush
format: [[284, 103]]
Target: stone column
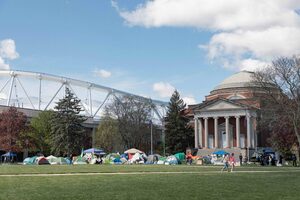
[[216, 133], [196, 133], [200, 133], [253, 135], [248, 131], [237, 128], [227, 131], [206, 132]]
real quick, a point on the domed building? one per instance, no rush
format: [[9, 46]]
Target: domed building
[[227, 117]]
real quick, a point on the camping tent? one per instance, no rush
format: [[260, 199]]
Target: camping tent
[[52, 160], [95, 151], [110, 158], [152, 159], [180, 156], [42, 161], [171, 160], [61, 161], [29, 161]]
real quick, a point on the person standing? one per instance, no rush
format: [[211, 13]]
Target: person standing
[[232, 161], [294, 159], [226, 163], [241, 159]]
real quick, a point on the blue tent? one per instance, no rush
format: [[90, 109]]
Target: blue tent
[[8, 157], [220, 152], [9, 154], [95, 151]]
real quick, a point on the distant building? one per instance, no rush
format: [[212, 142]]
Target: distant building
[[227, 119]]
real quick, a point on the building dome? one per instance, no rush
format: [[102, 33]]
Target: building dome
[[241, 79]]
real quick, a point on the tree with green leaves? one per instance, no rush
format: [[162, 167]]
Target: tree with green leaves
[[107, 135], [37, 138], [67, 132], [178, 134]]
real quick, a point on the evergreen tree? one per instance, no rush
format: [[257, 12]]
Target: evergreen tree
[[179, 135], [67, 132]]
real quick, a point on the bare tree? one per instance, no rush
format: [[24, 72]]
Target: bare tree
[[133, 119], [279, 89]]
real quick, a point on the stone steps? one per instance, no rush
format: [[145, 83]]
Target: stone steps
[[236, 151]]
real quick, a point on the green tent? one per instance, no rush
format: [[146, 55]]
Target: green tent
[[30, 161], [61, 161], [52, 159], [80, 161], [180, 156]]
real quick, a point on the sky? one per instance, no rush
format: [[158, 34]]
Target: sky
[[148, 47]]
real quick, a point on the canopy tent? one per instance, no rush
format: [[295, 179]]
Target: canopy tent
[[133, 151], [9, 154], [220, 152], [8, 157], [95, 151]]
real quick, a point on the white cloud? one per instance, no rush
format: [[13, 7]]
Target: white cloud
[[189, 100], [252, 64], [3, 65], [213, 14], [258, 30], [163, 89], [7, 52], [103, 73], [8, 49]]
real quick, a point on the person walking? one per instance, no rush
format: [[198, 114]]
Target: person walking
[[241, 159], [232, 161], [226, 163]]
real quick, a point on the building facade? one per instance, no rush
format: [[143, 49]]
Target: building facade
[[227, 119]]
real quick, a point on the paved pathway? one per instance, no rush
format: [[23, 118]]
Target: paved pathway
[[141, 173]]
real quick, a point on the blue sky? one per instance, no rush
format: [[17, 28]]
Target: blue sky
[[139, 46]]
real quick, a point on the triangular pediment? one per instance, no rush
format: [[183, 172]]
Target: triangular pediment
[[221, 105]]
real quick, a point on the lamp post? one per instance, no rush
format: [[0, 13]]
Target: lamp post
[[151, 136]]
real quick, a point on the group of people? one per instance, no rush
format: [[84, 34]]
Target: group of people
[[228, 161]]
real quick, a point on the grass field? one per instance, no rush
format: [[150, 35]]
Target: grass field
[[147, 182]]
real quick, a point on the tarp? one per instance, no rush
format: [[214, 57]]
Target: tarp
[[95, 151], [220, 152], [133, 151]]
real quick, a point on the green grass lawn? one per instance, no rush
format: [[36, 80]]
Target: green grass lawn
[[203, 183]]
